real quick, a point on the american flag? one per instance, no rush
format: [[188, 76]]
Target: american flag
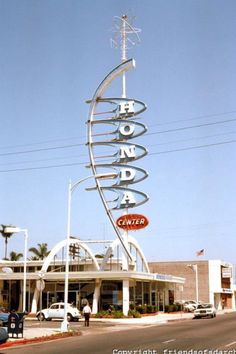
[[200, 253]]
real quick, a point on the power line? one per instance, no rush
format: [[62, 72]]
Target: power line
[[82, 144], [43, 167], [150, 154], [39, 150], [195, 118], [192, 138], [43, 160], [82, 137], [84, 155], [191, 127], [158, 124], [41, 142], [192, 147]]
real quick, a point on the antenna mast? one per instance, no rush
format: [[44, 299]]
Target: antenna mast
[[123, 32]]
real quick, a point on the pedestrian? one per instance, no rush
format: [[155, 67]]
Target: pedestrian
[[86, 311]]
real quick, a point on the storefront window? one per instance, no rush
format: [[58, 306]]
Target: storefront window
[[146, 293], [171, 297], [138, 291]]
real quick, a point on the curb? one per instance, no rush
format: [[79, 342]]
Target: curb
[[51, 337]]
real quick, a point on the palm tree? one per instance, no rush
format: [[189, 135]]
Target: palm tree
[[6, 235], [39, 253], [14, 256]]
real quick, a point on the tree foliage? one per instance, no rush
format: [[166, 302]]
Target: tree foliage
[[39, 253], [14, 256]]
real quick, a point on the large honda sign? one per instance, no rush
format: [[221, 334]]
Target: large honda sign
[[114, 124]]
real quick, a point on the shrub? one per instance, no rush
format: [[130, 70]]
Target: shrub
[[134, 314], [151, 309], [172, 308], [141, 309], [109, 314], [131, 307], [176, 307], [168, 308], [102, 314], [117, 314]]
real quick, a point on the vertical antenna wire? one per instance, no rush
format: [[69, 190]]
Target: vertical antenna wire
[[124, 35], [123, 39], [123, 54]]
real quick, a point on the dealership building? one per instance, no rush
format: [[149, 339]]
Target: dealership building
[[102, 282], [106, 283]]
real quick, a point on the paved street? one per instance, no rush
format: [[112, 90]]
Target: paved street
[[102, 338]]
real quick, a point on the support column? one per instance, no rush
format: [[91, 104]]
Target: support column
[[34, 304], [125, 297], [1, 287], [20, 307], [233, 301], [125, 260], [142, 293], [96, 295]]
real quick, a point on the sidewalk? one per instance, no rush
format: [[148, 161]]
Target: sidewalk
[[35, 335], [149, 319], [157, 318], [32, 333]]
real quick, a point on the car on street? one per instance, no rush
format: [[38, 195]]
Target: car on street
[[4, 318], [56, 311], [190, 305], [3, 335], [205, 310]]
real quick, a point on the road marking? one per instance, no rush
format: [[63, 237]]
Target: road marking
[[230, 344], [168, 341]]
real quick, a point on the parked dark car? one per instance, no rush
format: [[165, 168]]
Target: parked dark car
[[4, 319], [3, 335]]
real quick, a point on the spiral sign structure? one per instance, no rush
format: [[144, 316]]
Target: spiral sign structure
[[113, 127]]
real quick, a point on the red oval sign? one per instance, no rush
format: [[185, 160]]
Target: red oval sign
[[132, 222]]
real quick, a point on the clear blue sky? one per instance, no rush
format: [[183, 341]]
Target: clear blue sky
[[54, 53]]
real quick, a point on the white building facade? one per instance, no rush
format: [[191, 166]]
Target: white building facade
[[208, 280]]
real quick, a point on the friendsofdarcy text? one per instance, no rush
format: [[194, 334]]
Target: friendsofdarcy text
[[173, 351]]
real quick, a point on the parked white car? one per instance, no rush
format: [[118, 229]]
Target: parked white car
[[190, 305], [205, 310], [56, 311]]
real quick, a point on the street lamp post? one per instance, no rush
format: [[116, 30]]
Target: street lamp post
[[71, 188], [40, 284], [12, 230], [194, 268]]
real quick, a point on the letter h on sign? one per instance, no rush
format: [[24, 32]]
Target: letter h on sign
[[126, 107]]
